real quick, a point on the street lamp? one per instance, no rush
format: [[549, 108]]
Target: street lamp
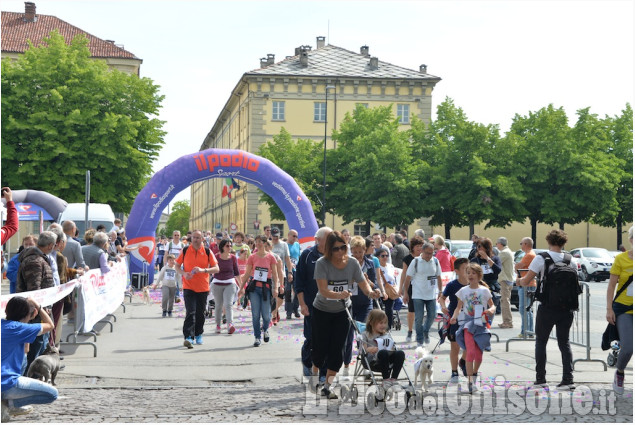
[[326, 98]]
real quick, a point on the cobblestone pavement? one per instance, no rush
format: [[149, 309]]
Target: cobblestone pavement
[[288, 401]]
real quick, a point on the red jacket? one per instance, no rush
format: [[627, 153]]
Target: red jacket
[[11, 226]]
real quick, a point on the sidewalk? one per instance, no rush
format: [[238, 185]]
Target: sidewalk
[[142, 373]]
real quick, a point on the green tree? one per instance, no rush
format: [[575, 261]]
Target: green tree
[[371, 173], [620, 136], [179, 218], [64, 113], [302, 160]]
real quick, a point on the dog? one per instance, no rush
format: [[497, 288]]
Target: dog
[[45, 366], [423, 368], [146, 295]]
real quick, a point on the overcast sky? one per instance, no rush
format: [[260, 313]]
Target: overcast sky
[[495, 58]]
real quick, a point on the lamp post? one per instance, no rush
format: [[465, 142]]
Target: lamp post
[[326, 98]]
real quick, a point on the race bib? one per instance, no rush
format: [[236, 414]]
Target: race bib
[[487, 269], [294, 261], [478, 312], [170, 274], [338, 286], [433, 280], [629, 290], [354, 288], [385, 343], [261, 273]]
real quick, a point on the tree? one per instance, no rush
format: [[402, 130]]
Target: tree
[[302, 160], [620, 136], [179, 218], [371, 173], [64, 113]]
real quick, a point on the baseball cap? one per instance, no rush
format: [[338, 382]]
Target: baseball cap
[[275, 232], [219, 235]]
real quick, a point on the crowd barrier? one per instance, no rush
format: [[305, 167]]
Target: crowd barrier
[[580, 333], [95, 299]]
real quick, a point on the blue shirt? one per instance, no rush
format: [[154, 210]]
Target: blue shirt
[[450, 291], [294, 252], [14, 336]]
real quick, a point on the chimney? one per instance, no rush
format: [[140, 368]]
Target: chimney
[[29, 12], [423, 69], [374, 62], [364, 51], [304, 58], [320, 41], [269, 60], [298, 50]]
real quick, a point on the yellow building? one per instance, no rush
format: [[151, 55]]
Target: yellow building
[[293, 94]]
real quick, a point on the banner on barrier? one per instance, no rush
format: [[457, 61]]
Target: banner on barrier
[[45, 297], [100, 295]]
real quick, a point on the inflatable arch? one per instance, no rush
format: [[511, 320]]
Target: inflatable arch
[[213, 163]]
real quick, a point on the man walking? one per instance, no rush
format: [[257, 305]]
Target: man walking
[[527, 246], [399, 252], [195, 263], [506, 281]]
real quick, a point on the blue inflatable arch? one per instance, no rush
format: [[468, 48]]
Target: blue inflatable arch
[[213, 163]]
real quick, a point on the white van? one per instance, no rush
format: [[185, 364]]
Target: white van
[[97, 214]]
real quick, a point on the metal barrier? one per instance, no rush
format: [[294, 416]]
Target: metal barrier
[[580, 333], [76, 332]]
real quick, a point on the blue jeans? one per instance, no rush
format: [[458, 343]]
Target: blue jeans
[[260, 308], [523, 302], [421, 328], [29, 391]]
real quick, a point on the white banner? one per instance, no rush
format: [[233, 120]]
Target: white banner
[[45, 297], [100, 295]]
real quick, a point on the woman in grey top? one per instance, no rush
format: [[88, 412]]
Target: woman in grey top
[[338, 276]]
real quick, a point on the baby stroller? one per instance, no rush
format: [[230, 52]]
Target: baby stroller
[[211, 304], [396, 320], [349, 392], [611, 360]]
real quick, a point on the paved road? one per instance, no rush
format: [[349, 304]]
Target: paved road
[[142, 373]]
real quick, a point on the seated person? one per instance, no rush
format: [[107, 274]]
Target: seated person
[[380, 348]]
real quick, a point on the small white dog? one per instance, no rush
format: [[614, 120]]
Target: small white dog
[[423, 368], [146, 295]]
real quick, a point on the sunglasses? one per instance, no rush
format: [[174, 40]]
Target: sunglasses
[[339, 248], [383, 255]]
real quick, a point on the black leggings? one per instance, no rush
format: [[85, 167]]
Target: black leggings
[[328, 339], [387, 362]]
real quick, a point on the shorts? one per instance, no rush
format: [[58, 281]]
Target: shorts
[[452, 332], [411, 303]]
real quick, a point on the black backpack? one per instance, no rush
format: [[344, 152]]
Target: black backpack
[[559, 286]]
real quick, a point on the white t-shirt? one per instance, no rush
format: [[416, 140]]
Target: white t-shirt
[[474, 300], [538, 264], [424, 280], [175, 248]]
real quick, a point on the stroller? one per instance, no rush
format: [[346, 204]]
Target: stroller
[[611, 360], [211, 304], [396, 308], [349, 392]]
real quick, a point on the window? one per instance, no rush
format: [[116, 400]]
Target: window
[[360, 230], [365, 105], [278, 111], [403, 112], [319, 111]]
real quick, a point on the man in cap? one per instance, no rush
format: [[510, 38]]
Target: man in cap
[[506, 281]]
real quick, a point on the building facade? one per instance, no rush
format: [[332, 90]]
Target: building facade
[[302, 93], [18, 28]]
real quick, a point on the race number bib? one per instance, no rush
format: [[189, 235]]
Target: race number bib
[[385, 343], [261, 274], [338, 286], [170, 274], [294, 261], [433, 280], [354, 288], [478, 312], [487, 269]]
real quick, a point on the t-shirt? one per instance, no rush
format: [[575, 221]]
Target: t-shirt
[[282, 250], [262, 268], [623, 267], [524, 263], [473, 300], [193, 258], [424, 279], [444, 257], [294, 253], [14, 336], [450, 291], [175, 249], [383, 342], [538, 263], [167, 277], [228, 269], [237, 247], [338, 280]]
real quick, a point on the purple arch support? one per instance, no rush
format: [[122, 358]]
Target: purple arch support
[[214, 163]]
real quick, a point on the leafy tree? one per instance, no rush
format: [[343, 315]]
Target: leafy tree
[[64, 113], [620, 145], [371, 173], [179, 218], [302, 159]]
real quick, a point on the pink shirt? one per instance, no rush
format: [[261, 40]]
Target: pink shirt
[[444, 257], [266, 263]]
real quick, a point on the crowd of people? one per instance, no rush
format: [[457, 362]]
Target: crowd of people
[[330, 285]]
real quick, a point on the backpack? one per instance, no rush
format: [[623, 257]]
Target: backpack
[[559, 286]]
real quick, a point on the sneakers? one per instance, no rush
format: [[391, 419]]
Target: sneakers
[[288, 316], [296, 314], [566, 385], [189, 342], [265, 336], [388, 383], [257, 342], [330, 395], [231, 329], [345, 371], [426, 339], [314, 382], [454, 379], [6, 417], [520, 335], [169, 314], [540, 382], [224, 319], [17, 411], [409, 337], [165, 313], [505, 325], [217, 329], [463, 366], [618, 383]]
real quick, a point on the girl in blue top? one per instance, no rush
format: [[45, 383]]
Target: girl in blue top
[[19, 391]]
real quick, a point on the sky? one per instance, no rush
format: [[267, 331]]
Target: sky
[[496, 58]]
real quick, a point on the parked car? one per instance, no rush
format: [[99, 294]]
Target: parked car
[[614, 253], [456, 245], [462, 253], [595, 263]]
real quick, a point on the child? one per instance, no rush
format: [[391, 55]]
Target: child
[[167, 279], [460, 268], [473, 334], [380, 348]]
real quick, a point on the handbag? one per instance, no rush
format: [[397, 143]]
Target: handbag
[[390, 290], [610, 333]]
